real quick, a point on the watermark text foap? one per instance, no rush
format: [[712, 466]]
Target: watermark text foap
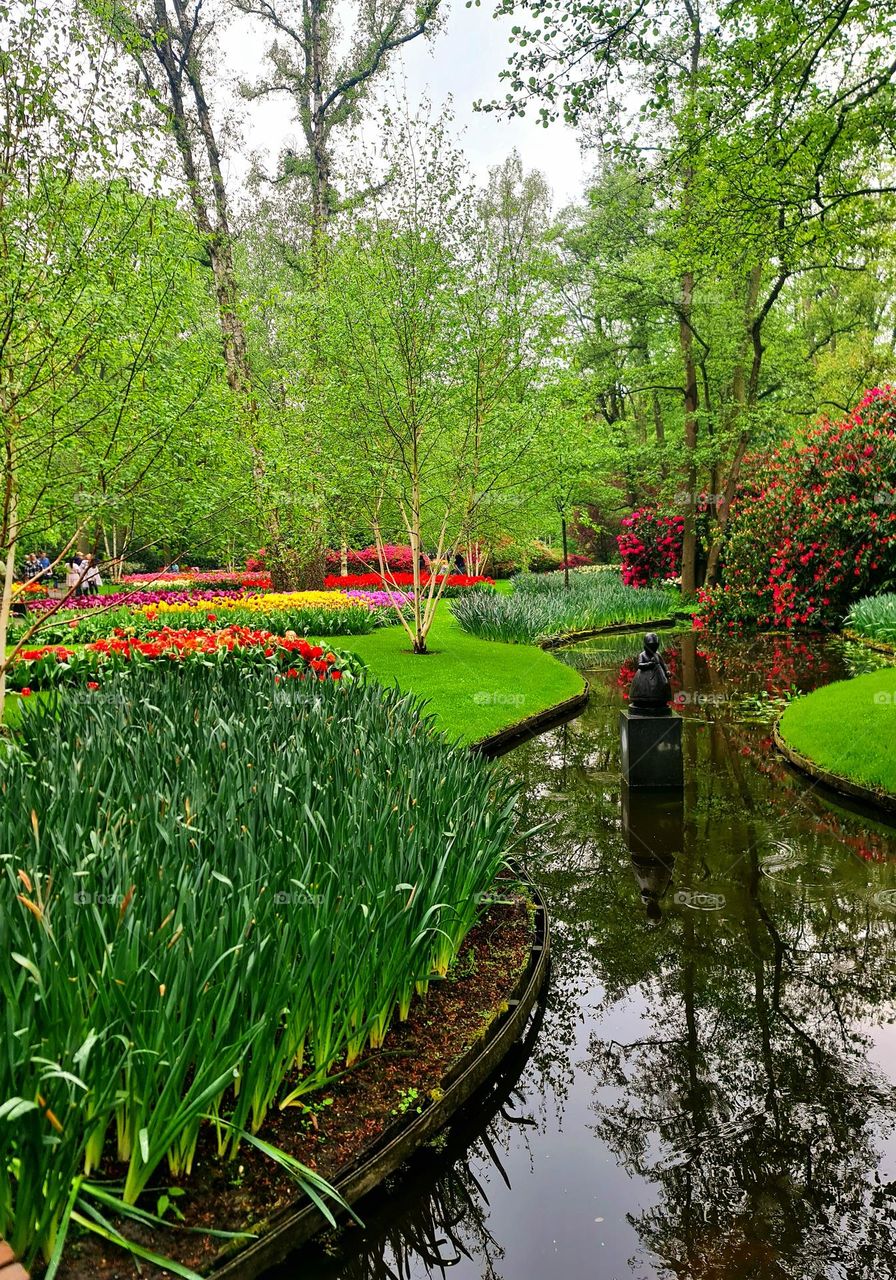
[[487, 698], [698, 900], [685, 698]]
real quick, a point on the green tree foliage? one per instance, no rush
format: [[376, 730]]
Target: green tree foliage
[[759, 131]]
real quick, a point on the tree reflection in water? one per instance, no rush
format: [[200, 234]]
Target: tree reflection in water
[[719, 1023]]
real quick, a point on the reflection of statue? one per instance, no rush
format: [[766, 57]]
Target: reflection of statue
[[654, 876], [651, 691]]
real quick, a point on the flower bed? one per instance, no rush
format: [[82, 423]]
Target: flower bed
[[455, 582], [307, 612], [322, 613], [540, 606], [188, 579], [290, 655], [135, 597], [222, 857]]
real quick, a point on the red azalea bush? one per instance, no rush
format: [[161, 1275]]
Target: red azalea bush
[[813, 529], [650, 547], [398, 559]]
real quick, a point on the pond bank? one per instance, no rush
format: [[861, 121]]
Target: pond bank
[[844, 735], [704, 1059]]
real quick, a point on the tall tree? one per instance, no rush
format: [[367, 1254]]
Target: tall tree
[[762, 122], [328, 87]]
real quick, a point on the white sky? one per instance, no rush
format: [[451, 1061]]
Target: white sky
[[462, 62]]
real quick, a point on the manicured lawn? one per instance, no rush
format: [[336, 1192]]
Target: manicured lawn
[[474, 687], [849, 728]]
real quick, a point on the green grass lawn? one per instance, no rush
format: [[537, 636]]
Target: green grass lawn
[[473, 687], [849, 728]]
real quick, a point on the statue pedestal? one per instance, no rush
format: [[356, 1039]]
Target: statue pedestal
[[651, 750]]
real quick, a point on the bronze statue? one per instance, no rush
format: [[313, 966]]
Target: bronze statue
[[651, 691]]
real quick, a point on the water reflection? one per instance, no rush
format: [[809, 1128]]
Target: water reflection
[[711, 1093]]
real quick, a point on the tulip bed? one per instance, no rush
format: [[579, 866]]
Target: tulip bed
[[540, 606], [305, 612], [208, 910], [292, 655], [455, 584]]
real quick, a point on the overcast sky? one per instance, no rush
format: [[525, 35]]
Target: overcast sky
[[462, 63]]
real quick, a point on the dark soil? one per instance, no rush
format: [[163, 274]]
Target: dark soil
[[338, 1123]]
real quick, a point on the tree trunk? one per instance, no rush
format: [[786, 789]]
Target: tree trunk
[[11, 529], [691, 405], [565, 552]]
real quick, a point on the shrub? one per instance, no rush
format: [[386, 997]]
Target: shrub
[[650, 547], [540, 606], [874, 618], [813, 528]]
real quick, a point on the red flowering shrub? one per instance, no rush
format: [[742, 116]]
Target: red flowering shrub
[[815, 525], [398, 560], [650, 546]]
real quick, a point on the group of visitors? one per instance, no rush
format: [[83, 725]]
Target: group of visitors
[[83, 575], [82, 572], [39, 567]]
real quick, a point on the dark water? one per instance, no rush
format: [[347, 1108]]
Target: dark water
[[709, 1091]]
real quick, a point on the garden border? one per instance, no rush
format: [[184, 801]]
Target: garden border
[[292, 1227], [883, 800], [522, 730], [879, 646], [615, 628]]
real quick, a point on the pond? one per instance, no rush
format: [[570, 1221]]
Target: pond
[[709, 1089]]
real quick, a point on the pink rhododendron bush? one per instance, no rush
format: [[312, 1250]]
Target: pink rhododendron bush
[[813, 527], [650, 547]]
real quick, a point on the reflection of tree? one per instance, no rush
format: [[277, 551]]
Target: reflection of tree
[[745, 1102], [746, 1099], [434, 1212]]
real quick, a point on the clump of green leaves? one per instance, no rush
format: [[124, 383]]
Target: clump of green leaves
[[216, 892], [540, 606]]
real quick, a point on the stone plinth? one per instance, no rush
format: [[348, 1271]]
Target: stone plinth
[[651, 750]]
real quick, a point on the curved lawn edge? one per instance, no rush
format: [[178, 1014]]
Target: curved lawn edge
[[879, 646], [522, 730], [295, 1224], [879, 799], [611, 629], [474, 688]]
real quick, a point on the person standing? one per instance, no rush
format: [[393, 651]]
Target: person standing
[[73, 576], [92, 580]]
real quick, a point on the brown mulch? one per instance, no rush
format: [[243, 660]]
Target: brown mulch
[[340, 1121]]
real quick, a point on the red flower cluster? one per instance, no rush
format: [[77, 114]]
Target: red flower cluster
[[290, 653], [184, 643], [815, 526], [401, 580], [650, 547]]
